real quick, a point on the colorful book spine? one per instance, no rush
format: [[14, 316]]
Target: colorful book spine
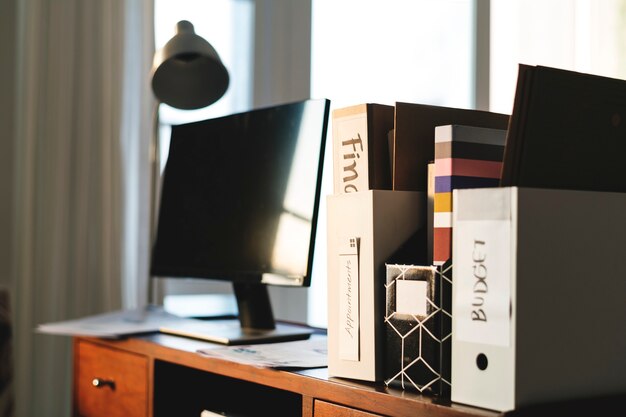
[[465, 157]]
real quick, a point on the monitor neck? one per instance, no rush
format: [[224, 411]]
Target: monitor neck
[[255, 308]]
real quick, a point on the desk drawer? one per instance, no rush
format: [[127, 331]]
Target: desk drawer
[[324, 409], [109, 382]]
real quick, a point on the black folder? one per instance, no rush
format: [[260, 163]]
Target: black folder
[[567, 131]]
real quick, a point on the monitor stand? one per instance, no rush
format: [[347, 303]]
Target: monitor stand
[[256, 322]]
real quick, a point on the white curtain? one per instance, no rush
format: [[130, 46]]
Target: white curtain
[[82, 134]]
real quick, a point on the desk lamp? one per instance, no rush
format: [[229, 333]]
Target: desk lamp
[[187, 74]]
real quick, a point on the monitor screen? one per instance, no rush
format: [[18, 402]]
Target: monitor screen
[[240, 196]]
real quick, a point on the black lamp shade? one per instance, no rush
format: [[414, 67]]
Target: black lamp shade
[[188, 73]]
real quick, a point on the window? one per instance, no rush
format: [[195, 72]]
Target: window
[[375, 51], [579, 35], [228, 25], [383, 52]]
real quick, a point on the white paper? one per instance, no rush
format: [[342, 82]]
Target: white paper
[[311, 353], [412, 297], [349, 323], [113, 324], [482, 268], [207, 413]]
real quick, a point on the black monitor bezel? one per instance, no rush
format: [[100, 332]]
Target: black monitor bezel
[[266, 277]]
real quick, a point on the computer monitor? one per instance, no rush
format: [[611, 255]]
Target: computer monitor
[[239, 202]]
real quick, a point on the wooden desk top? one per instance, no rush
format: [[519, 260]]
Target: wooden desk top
[[315, 383]]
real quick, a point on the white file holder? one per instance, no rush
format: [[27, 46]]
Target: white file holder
[[539, 310], [365, 228]]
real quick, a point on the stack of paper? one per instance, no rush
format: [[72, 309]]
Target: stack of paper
[[113, 324], [311, 353]]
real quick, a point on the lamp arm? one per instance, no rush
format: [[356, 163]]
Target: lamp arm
[[155, 181], [155, 175]]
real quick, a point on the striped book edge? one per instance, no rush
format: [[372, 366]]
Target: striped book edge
[[465, 157]]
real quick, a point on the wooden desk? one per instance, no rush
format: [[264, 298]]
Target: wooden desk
[[160, 375]]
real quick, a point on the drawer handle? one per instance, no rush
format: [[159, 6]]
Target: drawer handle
[[102, 383]]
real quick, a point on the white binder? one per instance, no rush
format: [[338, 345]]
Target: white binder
[[377, 222], [539, 296]]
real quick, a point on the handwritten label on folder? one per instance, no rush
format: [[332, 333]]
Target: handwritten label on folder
[[349, 348], [482, 268]]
